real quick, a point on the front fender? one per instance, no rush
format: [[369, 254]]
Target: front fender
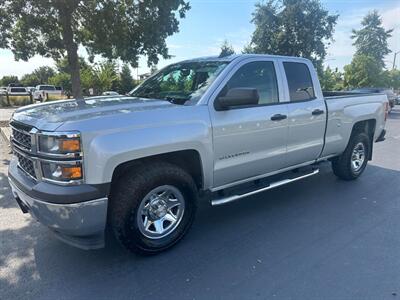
[[107, 151]]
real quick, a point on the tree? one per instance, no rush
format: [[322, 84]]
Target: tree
[[6, 80], [394, 76], [371, 39], [113, 29], [331, 80], [126, 79], [292, 27], [105, 76], [43, 74], [88, 79], [40, 75], [226, 49], [392, 79], [63, 67], [153, 69], [363, 71], [62, 79], [30, 80]]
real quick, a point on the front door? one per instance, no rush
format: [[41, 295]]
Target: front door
[[250, 141]]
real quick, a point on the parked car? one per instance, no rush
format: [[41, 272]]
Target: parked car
[[223, 129], [17, 91], [3, 90], [110, 93], [42, 92], [390, 94], [398, 100]]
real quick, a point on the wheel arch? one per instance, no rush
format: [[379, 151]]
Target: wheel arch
[[189, 160], [367, 126]]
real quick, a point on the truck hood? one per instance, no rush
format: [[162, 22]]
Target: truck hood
[[51, 115]]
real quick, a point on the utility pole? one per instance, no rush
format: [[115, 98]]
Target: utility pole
[[394, 59]]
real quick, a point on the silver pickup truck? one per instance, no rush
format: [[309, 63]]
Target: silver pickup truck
[[218, 129]]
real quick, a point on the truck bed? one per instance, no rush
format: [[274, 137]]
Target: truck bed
[[345, 109]]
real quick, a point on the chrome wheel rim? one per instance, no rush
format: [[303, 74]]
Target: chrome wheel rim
[[160, 212], [358, 157]]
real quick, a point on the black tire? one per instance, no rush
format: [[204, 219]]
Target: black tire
[[342, 165], [130, 191]]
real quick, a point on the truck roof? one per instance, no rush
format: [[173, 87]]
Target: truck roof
[[241, 56]]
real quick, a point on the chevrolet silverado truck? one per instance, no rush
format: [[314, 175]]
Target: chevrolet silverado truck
[[44, 92], [211, 129]]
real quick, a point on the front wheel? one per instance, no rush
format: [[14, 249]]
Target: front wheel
[[153, 207], [351, 164]]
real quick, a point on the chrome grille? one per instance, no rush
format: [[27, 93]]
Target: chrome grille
[[25, 164], [21, 136]]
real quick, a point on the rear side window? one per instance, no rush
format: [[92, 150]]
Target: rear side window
[[299, 81], [259, 75], [46, 88]]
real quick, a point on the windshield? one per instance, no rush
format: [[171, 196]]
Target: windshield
[[181, 83]]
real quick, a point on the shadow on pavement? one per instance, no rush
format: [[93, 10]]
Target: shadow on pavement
[[283, 233]]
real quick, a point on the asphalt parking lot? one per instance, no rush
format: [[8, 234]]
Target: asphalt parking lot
[[320, 238]]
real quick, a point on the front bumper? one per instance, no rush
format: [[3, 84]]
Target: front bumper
[[79, 224], [381, 137]]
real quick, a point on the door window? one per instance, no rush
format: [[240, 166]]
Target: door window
[[259, 75], [299, 81]]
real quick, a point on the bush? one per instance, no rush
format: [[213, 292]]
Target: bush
[[19, 100], [55, 97], [3, 101], [14, 100]]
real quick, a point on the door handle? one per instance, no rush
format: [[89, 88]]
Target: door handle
[[317, 112], [278, 117]]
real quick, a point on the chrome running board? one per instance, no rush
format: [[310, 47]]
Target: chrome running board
[[273, 185]]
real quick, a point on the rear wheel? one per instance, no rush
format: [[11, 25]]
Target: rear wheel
[[153, 207], [351, 164]]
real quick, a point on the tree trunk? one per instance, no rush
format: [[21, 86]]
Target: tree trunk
[[73, 61], [65, 11]]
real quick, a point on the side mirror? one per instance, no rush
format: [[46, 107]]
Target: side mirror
[[237, 97]]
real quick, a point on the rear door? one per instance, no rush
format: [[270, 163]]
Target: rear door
[[306, 113], [250, 141]]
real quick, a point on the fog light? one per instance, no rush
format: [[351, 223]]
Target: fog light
[[62, 172]]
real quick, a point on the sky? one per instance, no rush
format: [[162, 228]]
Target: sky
[[210, 22]]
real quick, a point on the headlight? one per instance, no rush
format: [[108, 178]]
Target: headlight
[[61, 158], [63, 172], [60, 144]]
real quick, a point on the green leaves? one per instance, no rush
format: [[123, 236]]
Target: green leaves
[[126, 80], [366, 68], [6, 80], [226, 49], [105, 75], [364, 71], [121, 29], [331, 80], [294, 28], [371, 40]]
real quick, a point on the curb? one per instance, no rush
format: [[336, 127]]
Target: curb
[[5, 132]]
